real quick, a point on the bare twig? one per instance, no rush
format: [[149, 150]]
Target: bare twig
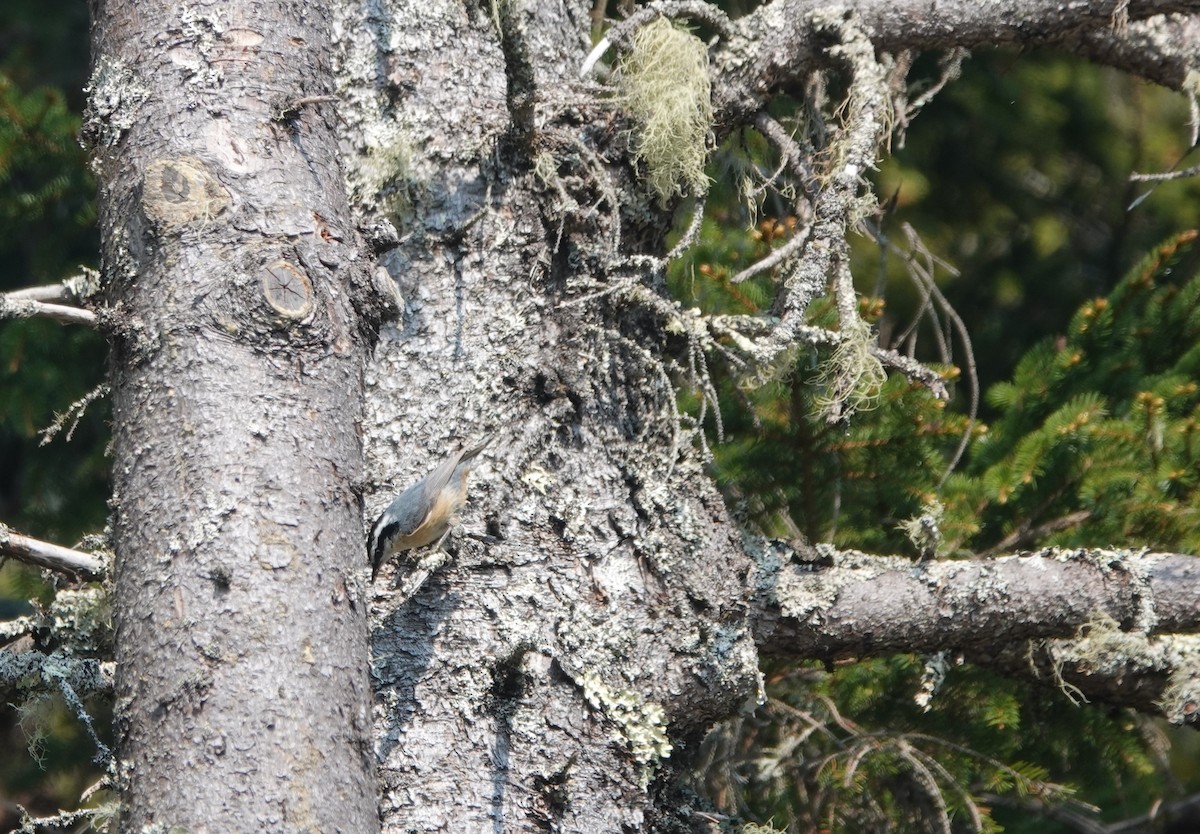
[[964, 338], [601, 180], [794, 159], [48, 293], [71, 290], [691, 234], [1163, 814], [55, 674], [777, 257], [835, 207], [921, 270], [789, 149], [1166, 175], [50, 556], [914, 370], [950, 68], [22, 308], [74, 414], [1028, 533]]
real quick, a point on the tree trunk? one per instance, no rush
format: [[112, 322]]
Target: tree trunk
[[605, 620], [231, 270], [600, 609], [530, 685]]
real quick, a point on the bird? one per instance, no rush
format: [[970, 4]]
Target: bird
[[422, 513]]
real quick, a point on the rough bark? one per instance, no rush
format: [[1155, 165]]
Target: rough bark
[[231, 275], [773, 47], [530, 685], [1101, 625], [601, 609], [859, 606], [598, 611]]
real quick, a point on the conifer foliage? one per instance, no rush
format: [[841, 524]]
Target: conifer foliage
[[1097, 441]]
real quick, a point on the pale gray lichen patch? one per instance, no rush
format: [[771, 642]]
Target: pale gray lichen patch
[[115, 93], [684, 521], [83, 619], [204, 529], [596, 644], [204, 33], [537, 479], [682, 535], [587, 653], [641, 724], [803, 595], [1134, 564], [1103, 648], [1180, 699], [78, 621], [733, 653], [768, 558]]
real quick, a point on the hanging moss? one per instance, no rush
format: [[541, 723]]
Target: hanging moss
[[663, 85]]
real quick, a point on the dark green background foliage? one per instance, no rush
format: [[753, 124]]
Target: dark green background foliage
[[47, 231], [1017, 176], [1085, 323], [1082, 301], [58, 491]]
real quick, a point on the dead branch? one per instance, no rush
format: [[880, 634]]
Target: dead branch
[[1117, 625], [774, 47], [50, 556], [15, 309]]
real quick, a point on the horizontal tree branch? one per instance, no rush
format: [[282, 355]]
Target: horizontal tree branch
[[58, 301], [19, 308], [71, 290], [51, 556], [21, 672], [1155, 675], [870, 605], [828, 604], [775, 45]]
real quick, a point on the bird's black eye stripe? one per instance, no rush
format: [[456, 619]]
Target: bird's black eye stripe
[[379, 539]]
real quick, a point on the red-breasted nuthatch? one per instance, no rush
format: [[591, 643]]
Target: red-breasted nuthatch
[[424, 512]]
